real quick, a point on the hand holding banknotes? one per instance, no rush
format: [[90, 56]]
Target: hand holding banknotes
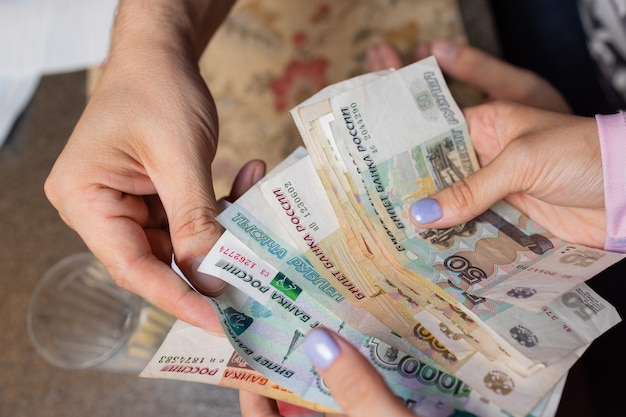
[[546, 164], [354, 383], [134, 180]]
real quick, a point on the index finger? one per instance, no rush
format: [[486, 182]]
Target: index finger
[[122, 245]]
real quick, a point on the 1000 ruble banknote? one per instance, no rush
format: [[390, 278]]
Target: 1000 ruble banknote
[[262, 354], [497, 303]]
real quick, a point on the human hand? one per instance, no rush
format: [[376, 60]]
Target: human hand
[[354, 383], [134, 182], [134, 179], [101, 187], [520, 173], [546, 164], [496, 78]]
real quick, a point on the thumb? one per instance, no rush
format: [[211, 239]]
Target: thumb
[[354, 383], [181, 172], [465, 199], [247, 176], [194, 230]]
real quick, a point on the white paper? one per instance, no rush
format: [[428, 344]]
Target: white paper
[[44, 36], [39, 37], [15, 94]]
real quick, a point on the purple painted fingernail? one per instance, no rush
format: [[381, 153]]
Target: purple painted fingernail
[[426, 211], [320, 347]]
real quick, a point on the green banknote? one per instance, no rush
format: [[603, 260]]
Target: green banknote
[[554, 356], [268, 315], [472, 320], [252, 221], [400, 138]]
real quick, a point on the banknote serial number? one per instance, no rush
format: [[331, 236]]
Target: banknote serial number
[[181, 359], [357, 129], [358, 122], [296, 199], [237, 257]]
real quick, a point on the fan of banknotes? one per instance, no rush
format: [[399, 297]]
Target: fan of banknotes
[[486, 317]]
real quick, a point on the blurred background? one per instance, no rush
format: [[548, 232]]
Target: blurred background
[[47, 101]]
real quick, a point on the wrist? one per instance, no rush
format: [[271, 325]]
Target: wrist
[[180, 29], [612, 130]]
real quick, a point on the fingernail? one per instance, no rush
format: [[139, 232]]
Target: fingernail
[[222, 204], [258, 173], [445, 50], [206, 284], [321, 348], [426, 211], [373, 58]]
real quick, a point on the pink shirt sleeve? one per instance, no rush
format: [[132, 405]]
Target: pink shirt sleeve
[[612, 130]]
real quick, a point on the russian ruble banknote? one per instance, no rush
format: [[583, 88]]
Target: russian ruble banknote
[[259, 228], [262, 350], [400, 137], [194, 355], [566, 329], [326, 240]]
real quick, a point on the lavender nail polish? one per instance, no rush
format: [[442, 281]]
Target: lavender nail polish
[[320, 347], [426, 211]]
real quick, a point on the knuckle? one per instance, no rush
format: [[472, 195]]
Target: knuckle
[[118, 272], [123, 270], [519, 154], [51, 190], [119, 279], [462, 196], [54, 193], [196, 222]]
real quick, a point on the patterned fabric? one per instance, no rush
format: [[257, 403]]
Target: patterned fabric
[[605, 25], [271, 55]]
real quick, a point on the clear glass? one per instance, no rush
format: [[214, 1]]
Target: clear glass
[[79, 318]]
